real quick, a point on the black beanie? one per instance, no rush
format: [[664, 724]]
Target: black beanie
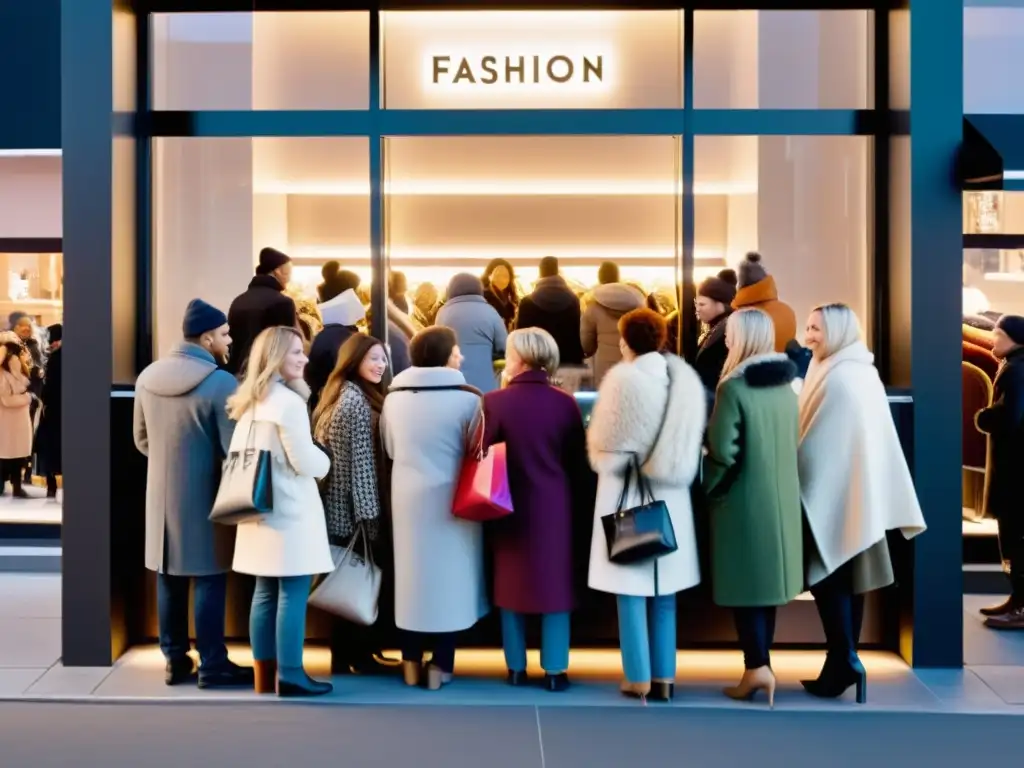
[[721, 287], [751, 270], [200, 317], [1012, 326], [271, 259]]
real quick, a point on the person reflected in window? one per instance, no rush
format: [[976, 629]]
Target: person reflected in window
[[599, 325], [756, 288], [478, 327], [555, 308], [1003, 422], [347, 421], [49, 432], [552, 495], [429, 421], [854, 485], [15, 418], [263, 305], [287, 547], [753, 492], [651, 407], [499, 282], [713, 306]]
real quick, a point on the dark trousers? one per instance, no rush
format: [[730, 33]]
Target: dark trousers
[[10, 472], [841, 612], [208, 612], [1011, 547], [756, 629], [51, 485], [442, 644]]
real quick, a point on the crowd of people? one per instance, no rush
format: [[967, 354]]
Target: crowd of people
[[800, 472], [30, 405]]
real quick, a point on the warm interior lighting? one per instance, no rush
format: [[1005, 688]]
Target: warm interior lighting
[[499, 188], [485, 253]]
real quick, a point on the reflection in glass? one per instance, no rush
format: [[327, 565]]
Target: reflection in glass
[[32, 283]]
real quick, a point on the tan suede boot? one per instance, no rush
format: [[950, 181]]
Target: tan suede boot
[[265, 673]]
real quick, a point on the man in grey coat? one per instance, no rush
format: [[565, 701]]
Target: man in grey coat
[[479, 328], [182, 426]]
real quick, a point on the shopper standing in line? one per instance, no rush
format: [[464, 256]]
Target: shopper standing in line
[[499, 284], [854, 485], [341, 314], [1003, 422], [182, 427], [479, 329], [49, 432], [287, 547], [757, 289], [713, 306], [599, 324], [15, 415], [753, 491], [552, 495], [263, 305], [651, 407]]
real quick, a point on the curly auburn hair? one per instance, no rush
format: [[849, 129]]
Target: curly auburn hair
[[644, 331]]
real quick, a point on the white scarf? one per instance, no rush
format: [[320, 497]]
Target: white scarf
[[854, 481]]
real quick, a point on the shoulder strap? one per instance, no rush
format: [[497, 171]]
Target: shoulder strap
[[664, 415]]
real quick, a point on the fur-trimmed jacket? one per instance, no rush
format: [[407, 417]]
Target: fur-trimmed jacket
[[634, 398]]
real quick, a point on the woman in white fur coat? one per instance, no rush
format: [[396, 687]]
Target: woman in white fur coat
[[635, 397], [855, 486]]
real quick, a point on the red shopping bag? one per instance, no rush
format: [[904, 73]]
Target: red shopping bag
[[483, 493]]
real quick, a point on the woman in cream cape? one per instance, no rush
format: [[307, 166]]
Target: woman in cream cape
[[855, 486]]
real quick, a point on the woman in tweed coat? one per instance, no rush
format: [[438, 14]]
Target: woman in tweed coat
[[346, 423]]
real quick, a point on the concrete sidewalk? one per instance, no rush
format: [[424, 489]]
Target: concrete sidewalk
[[30, 669]]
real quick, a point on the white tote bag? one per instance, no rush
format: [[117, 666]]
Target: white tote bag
[[352, 589]]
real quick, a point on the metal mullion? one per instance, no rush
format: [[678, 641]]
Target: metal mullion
[[378, 257], [785, 122], [688, 320]]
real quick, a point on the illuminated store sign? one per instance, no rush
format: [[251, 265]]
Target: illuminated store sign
[[558, 69]]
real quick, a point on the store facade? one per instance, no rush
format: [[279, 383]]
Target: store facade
[[429, 138]]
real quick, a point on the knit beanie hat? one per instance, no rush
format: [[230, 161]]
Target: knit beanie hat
[[55, 332], [751, 270], [271, 259], [465, 284], [200, 317], [721, 287], [1012, 326]]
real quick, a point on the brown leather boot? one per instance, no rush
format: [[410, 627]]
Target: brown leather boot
[[265, 673]]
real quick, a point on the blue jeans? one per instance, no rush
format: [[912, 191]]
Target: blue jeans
[[208, 612], [277, 622], [554, 641], [647, 635], [441, 644]]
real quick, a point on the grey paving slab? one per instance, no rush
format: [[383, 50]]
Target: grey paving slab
[[726, 739], [989, 646], [1007, 682], [61, 681], [14, 682], [960, 689], [168, 736], [29, 596], [29, 643]]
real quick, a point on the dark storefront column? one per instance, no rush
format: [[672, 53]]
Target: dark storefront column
[[925, 300], [97, 99]]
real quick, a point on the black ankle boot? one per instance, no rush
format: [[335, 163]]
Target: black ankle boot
[[517, 678], [304, 685], [662, 691], [836, 678], [556, 683]]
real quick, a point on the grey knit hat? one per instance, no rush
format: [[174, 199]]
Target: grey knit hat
[[751, 270], [465, 284]]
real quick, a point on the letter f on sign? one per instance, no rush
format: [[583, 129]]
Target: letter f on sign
[[440, 66]]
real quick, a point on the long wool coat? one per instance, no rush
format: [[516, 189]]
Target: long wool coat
[[482, 335], [854, 481], [15, 421], [292, 540], [630, 405], [182, 426], [753, 487], [551, 484], [1003, 422], [439, 559]]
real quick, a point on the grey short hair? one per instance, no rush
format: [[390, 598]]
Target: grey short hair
[[536, 347]]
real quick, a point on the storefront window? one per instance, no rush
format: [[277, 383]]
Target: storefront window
[[801, 201], [32, 283], [532, 59], [781, 60], [994, 277], [455, 203], [285, 60], [993, 43], [218, 201]]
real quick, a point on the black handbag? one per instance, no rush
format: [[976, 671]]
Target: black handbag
[[644, 532]]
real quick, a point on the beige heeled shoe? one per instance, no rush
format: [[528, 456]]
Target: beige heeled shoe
[[754, 680], [412, 672], [436, 677], [636, 690]]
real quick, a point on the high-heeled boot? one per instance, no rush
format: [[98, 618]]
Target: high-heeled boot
[[754, 680], [265, 676], [842, 668]]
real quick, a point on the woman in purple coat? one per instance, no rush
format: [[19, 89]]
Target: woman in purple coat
[[552, 488]]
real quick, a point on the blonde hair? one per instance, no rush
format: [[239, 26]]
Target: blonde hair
[[748, 332], [265, 360], [840, 326], [536, 347]]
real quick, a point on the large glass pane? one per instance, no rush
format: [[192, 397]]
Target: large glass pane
[[284, 60], [801, 201], [218, 201], [32, 283], [781, 60], [532, 59], [455, 203], [993, 46], [994, 277]]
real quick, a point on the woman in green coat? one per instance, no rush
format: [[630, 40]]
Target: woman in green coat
[[750, 476]]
